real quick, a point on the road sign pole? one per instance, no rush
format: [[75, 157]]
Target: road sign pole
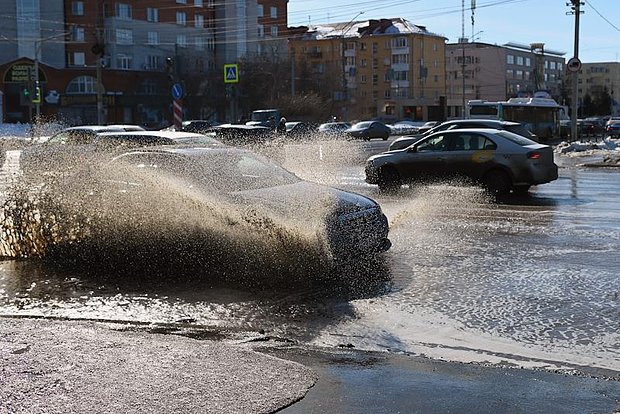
[[177, 110]]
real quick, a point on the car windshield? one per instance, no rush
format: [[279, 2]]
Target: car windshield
[[226, 172], [361, 125], [517, 139]]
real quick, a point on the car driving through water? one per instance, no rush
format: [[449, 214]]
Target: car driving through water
[[348, 223], [500, 160]]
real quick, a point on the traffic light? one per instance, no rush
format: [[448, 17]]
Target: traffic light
[[37, 95], [24, 96]]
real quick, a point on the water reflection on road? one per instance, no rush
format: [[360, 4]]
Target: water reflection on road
[[531, 280]]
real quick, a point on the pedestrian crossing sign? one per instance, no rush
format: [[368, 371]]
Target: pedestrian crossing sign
[[231, 73]]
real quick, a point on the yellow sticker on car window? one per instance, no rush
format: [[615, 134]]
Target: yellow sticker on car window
[[482, 156]]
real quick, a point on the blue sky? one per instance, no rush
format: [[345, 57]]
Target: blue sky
[[495, 21]]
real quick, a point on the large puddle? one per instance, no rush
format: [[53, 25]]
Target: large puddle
[[531, 281]]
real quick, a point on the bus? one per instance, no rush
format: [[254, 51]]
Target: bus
[[539, 115]]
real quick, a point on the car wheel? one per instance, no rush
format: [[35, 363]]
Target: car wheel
[[385, 137], [521, 190], [389, 180], [497, 182]]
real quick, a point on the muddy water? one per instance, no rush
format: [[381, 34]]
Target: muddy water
[[531, 281]]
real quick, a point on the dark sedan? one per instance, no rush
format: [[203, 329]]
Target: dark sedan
[[367, 130], [348, 223]]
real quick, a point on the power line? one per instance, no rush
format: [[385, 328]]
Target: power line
[[602, 17]]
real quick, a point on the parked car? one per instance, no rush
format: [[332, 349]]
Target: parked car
[[405, 127], [234, 134], [127, 128], [198, 126], [300, 129], [613, 128], [592, 126], [427, 126], [350, 223], [63, 152], [334, 129], [500, 160], [369, 129], [517, 128]]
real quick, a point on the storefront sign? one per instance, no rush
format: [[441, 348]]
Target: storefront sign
[[21, 72], [67, 100]]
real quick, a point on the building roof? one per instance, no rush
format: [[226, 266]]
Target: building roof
[[393, 26]]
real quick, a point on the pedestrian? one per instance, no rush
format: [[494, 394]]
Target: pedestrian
[[282, 126]]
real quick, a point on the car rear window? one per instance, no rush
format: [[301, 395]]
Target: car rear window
[[520, 130], [517, 139]]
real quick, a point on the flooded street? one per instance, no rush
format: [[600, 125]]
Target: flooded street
[[531, 281]]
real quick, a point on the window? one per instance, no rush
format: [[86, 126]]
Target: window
[[182, 40], [520, 60], [552, 65], [152, 62], [509, 73], [528, 61], [199, 21], [77, 8], [438, 143], [198, 3], [149, 87], [519, 74], [274, 31], [152, 14], [274, 12], [399, 42], [200, 43], [181, 1], [182, 18], [82, 85], [152, 38], [387, 94], [401, 58], [123, 61], [260, 11], [77, 34], [123, 11], [124, 36], [79, 59], [261, 30], [375, 80], [510, 59], [400, 75]]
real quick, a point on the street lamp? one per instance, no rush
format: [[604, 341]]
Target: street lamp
[[342, 47]]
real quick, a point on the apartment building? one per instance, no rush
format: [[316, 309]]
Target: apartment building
[[142, 46], [387, 68], [597, 79], [492, 72], [272, 22]]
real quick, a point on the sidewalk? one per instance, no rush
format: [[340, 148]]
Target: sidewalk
[[87, 367]]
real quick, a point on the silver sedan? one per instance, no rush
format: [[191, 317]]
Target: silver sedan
[[500, 160]]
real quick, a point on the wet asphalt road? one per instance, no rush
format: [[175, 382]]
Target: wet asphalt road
[[529, 282]]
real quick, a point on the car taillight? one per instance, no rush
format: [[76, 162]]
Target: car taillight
[[533, 155]]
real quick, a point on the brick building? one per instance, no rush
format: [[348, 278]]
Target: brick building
[[388, 68], [143, 47]]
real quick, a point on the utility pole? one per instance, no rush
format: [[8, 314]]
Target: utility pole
[[576, 64], [463, 55]]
